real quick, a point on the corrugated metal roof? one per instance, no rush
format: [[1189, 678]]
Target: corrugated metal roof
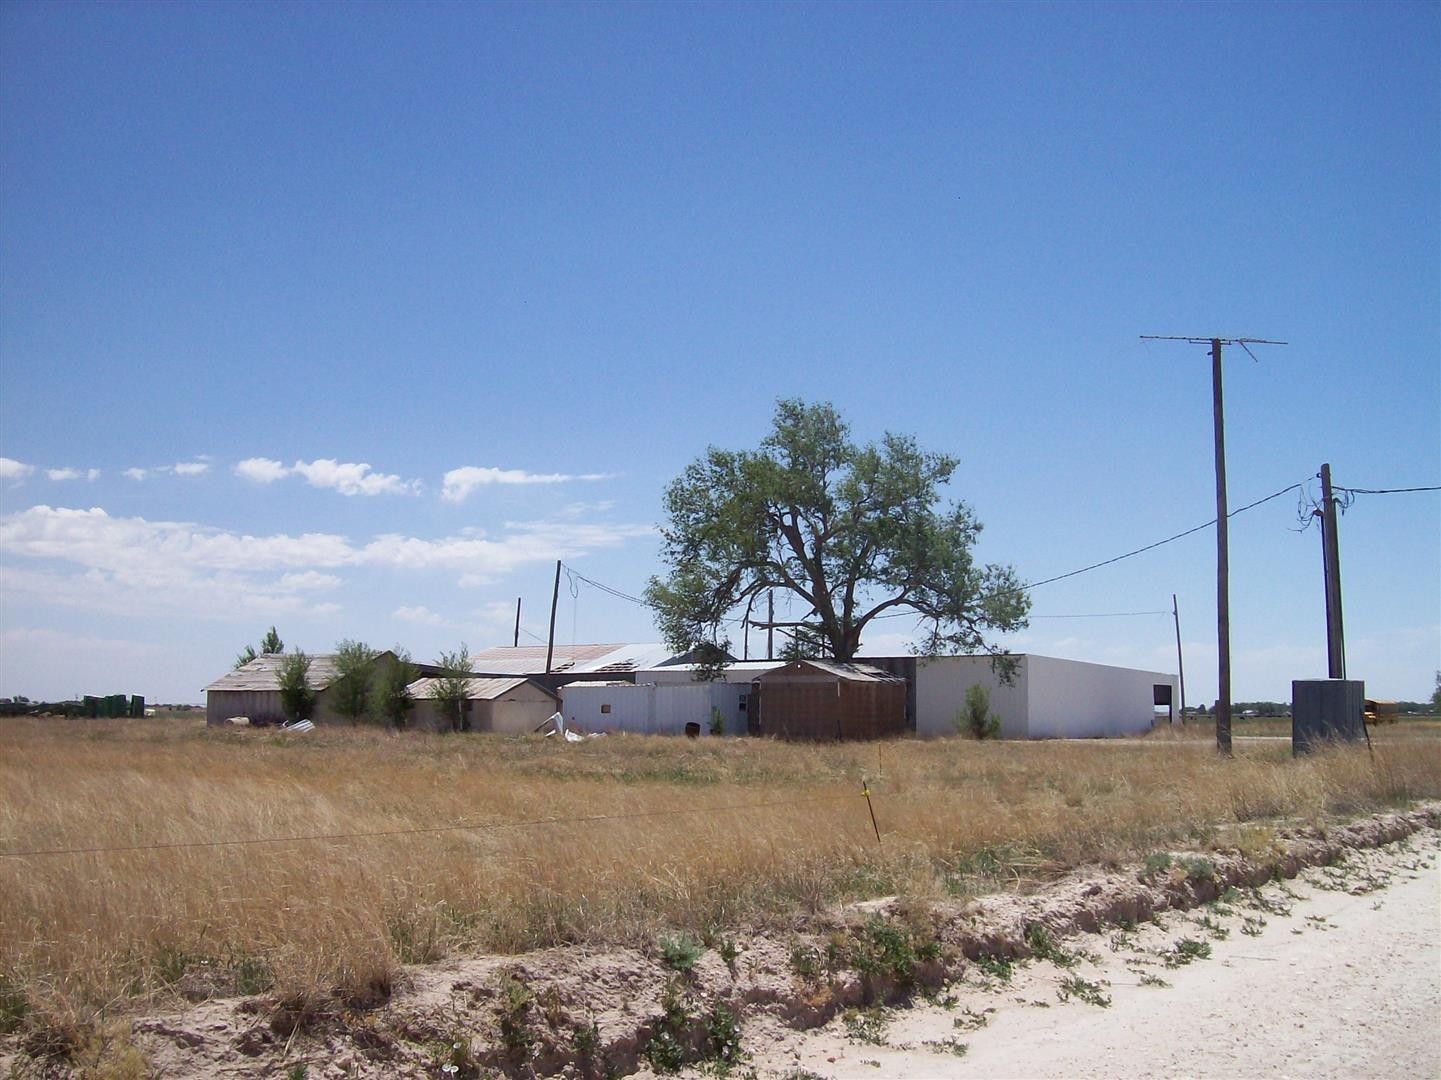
[[530, 659], [756, 666], [263, 673], [477, 689], [852, 672]]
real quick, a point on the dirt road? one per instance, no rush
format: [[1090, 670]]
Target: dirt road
[[1341, 978]]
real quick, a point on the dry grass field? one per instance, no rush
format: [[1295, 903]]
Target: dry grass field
[[363, 852]]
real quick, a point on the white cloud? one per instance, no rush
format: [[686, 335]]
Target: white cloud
[[309, 580], [88, 559], [72, 474], [261, 470], [419, 614], [351, 478], [459, 483], [137, 474], [191, 468], [10, 469]]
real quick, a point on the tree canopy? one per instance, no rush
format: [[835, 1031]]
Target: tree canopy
[[270, 644], [296, 696], [452, 687], [354, 671], [391, 698], [855, 532]]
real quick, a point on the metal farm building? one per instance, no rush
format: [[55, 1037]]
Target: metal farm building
[[506, 706], [820, 700]]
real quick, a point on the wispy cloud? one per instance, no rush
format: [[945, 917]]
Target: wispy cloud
[[420, 615], [458, 483], [346, 477], [351, 478], [10, 469], [88, 559], [72, 474], [180, 468]]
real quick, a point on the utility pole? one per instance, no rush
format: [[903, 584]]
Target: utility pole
[[1331, 555], [1223, 567], [770, 625], [554, 599], [1180, 661], [516, 643]]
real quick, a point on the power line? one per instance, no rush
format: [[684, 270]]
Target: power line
[[1385, 491], [1099, 615], [1159, 543], [575, 574]]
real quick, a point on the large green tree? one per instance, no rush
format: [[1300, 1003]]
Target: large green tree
[[855, 532]]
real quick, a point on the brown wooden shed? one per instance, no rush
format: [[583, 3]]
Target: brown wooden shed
[[821, 700]]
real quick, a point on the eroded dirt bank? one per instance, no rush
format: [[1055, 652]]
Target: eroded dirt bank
[[583, 1012]]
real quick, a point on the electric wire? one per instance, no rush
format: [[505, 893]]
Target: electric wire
[[1383, 491]]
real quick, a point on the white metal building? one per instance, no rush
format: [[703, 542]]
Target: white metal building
[[1048, 699], [651, 709]]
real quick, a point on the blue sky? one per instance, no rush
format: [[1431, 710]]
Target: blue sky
[[352, 319]]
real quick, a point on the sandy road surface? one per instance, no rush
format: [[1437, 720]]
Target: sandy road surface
[[1345, 984]]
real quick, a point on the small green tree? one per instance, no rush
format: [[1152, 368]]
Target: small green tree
[[452, 688], [296, 696], [975, 718], [354, 669], [1436, 697], [391, 699], [270, 645]]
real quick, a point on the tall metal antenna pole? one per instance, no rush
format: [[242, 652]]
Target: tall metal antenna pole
[[1223, 568], [1180, 660]]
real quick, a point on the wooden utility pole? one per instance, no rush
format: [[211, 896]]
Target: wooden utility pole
[[770, 625], [554, 599], [516, 643], [1180, 660], [1331, 554], [1223, 568]]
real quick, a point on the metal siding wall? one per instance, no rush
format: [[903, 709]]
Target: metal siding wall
[[1071, 699], [941, 685], [631, 707]]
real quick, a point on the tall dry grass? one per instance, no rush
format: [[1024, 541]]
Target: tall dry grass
[[611, 840]]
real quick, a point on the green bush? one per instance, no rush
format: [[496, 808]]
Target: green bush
[[975, 718]]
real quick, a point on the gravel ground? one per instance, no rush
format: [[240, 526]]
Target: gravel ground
[[1346, 983]]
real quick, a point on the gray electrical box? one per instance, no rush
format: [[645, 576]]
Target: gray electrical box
[[1325, 711]]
